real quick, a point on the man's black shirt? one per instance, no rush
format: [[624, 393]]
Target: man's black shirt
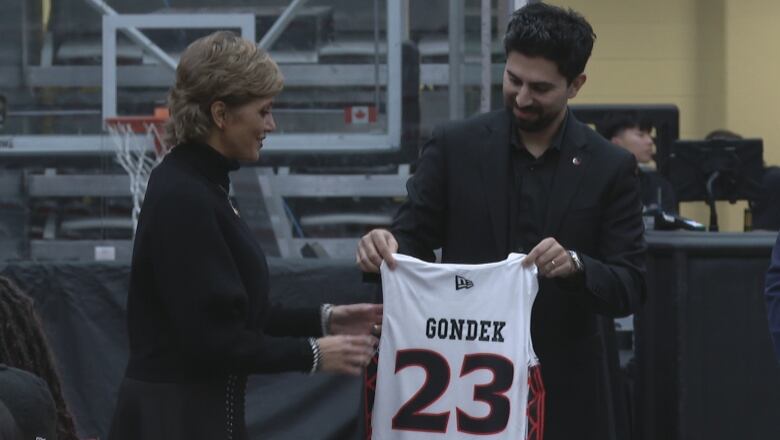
[[533, 179]]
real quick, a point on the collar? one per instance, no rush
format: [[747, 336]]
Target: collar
[[207, 161]]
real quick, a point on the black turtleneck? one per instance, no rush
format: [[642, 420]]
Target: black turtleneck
[[198, 304]]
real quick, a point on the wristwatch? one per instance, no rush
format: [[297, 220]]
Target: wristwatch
[[578, 266]]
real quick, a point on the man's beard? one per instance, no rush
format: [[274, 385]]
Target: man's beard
[[541, 122]]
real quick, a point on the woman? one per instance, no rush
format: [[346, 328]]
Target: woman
[[199, 318]]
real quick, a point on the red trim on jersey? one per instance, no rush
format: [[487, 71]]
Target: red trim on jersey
[[536, 399], [369, 390]]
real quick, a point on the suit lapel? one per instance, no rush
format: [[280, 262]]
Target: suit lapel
[[573, 162], [495, 176]]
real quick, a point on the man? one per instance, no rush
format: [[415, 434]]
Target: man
[[627, 131], [532, 178]]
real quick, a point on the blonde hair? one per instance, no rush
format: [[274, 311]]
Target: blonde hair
[[218, 67]]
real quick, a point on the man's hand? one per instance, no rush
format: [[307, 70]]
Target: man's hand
[[356, 319], [551, 259], [377, 245]]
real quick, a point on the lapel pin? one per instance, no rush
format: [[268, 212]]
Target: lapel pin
[[575, 160]]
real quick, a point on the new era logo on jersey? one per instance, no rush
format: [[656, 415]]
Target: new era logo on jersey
[[462, 283]]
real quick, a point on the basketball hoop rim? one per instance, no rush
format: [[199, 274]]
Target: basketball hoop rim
[[139, 123], [120, 127]]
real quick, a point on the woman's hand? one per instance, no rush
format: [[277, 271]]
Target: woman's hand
[[356, 319], [346, 354]]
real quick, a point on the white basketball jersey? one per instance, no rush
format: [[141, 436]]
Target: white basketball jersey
[[455, 350]]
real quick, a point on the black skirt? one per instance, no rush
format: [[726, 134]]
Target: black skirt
[[186, 411]]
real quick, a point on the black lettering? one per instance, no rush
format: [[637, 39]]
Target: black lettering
[[456, 328], [483, 331], [443, 329], [430, 328], [497, 327], [471, 330], [453, 329]]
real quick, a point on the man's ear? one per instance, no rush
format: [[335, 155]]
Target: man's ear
[[617, 139], [218, 111], [576, 84]]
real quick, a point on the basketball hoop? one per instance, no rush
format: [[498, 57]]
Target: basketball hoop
[[134, 137], [150, 126]]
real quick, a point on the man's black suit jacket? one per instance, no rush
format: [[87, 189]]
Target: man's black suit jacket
[[459, 201]]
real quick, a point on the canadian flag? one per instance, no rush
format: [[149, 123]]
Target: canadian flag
[[360, 114]]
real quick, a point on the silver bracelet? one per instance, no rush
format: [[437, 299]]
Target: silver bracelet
[[575, 259], [326, 311], [316, 355]]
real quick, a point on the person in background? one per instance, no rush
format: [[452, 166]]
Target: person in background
[[29, 401], [9, 430], [23, 345], [766, 210], [772, 296], [722, 134], [629, 132], [198, 310]]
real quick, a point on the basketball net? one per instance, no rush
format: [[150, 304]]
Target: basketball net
[[139, 148]]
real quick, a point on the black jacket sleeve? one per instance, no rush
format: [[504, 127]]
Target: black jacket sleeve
[[418, 225], [293, 321], [615, 279], [199, 283]]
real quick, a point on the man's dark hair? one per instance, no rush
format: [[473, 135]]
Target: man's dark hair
[[612, 125], [559, 35], [23, 345], [723, 134]]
